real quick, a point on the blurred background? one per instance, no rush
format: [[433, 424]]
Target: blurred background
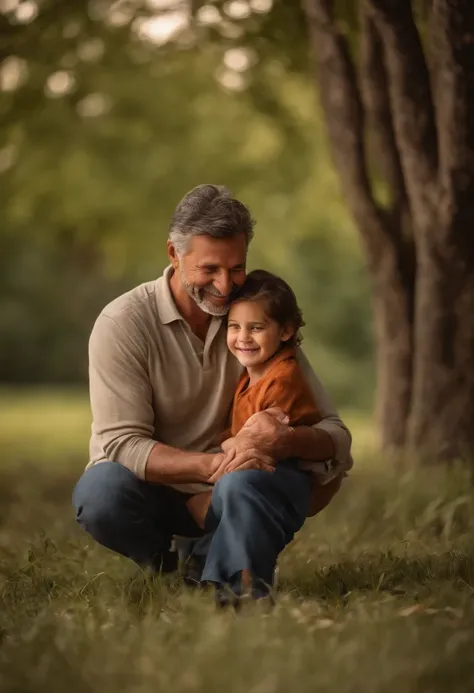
[[109, 113]]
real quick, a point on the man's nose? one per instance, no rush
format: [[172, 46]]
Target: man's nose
[[223, 283]]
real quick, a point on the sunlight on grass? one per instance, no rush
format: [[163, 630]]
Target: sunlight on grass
[[53, 425], [43, 425]]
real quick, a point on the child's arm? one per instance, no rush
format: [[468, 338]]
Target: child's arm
[[291, 393]]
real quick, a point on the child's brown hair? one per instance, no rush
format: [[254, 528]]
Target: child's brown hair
[[279, 300]]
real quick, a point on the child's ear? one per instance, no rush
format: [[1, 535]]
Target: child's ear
[[287, 333]]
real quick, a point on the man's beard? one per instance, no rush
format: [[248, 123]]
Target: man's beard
[[199, 297]]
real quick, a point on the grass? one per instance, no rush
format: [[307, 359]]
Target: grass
[[376, 594]]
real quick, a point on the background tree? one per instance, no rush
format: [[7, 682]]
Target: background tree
[[395, 79], [416, 91]]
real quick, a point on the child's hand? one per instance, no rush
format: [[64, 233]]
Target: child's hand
[[276, 412]]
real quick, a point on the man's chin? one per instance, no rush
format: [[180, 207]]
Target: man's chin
[[213, 309]]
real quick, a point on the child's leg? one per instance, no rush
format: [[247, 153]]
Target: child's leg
[[321, 496], [198, 505]]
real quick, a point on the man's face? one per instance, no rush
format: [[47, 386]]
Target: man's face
[[211, 270]]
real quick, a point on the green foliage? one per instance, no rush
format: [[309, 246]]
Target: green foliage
[[104, 133]]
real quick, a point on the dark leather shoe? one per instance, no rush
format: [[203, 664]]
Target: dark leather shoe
[[192, 570]]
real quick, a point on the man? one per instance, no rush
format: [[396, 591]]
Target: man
[[161, 387]]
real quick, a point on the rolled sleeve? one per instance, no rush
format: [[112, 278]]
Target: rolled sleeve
[[330, 421], [121, 397], [341, 439]]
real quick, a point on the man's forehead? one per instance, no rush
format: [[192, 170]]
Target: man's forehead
[[216, 260], [218, 251]]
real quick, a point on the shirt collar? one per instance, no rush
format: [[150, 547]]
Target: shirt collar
[[167, 309], [283, 354]]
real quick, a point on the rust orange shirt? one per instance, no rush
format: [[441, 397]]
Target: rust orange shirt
[[284, 386]]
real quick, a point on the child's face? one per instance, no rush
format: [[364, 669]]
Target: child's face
[[252, 336]]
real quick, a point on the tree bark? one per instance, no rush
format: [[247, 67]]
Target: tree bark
[[443, 388], [395, 275], [411, 105], [437, 156], [393, 315], [388, 252], [426, 144]]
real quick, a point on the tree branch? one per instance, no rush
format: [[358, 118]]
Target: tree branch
[[453, 47], [411, 102], [344, 115], [375, 94], [374, 88]]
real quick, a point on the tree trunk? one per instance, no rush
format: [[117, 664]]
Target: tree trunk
[[443, 396], [441, 422], [393, 322], [424, 330], [388, 250]]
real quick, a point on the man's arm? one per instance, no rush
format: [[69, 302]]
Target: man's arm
[[167, 465], [267, 433], [122, 410], [339, 447], [311, 443]]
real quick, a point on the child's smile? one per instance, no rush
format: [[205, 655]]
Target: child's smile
[[252, 336]]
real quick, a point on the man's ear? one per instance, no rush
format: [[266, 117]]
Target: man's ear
[[172, 254], [287, 333]]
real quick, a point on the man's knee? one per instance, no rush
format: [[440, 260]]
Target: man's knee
[[100, 496]]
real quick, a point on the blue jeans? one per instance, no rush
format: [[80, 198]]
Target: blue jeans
[[253, 516]]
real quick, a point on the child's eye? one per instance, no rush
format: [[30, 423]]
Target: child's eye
[[257, 328]]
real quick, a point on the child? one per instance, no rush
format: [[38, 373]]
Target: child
[[262, 333]]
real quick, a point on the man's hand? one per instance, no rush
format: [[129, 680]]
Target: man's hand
[[215, 464], [249, 458], [269, 432], [228, 444], [264, 439]]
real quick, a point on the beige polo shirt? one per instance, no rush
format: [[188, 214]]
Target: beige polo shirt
[[152, 379]]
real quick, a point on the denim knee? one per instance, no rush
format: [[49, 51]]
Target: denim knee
[[286, 489], [99, 496], [236, 484]]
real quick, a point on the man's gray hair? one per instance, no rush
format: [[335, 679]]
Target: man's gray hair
[[209, 210]]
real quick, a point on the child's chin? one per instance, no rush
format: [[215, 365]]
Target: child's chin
[[249, 361]]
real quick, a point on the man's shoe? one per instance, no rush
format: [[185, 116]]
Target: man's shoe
[[225, 597], [164, 562], [192, 570]]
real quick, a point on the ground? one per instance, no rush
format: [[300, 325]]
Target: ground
[[376, 594]]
